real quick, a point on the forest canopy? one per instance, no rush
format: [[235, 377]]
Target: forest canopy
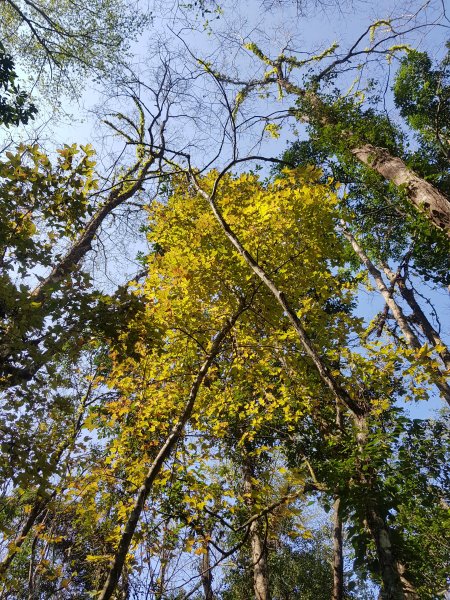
[[224, 333]]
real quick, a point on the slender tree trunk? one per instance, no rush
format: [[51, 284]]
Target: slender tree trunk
[[259, 560], [423, 322], [395, 309], [161, 581], [31, 569], [338, 555], [36, 509], [323, 370], [257, 542], [82, 245], [398, 314], [338, 558], [42, 496], [172, 439], [206, 573], [419, 316], [392, 584]]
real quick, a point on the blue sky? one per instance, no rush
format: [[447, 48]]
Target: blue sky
[[221, 42]]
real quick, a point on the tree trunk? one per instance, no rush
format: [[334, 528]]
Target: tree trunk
[[419, 316], [257, 542], [398, 314], [408, 588], [423, 322], [165, 451], [43, 496], [421, 193], [424, 196], [129, 184], [259, 561], [206, 574], [394, 581], [338, 559], [392, 585]]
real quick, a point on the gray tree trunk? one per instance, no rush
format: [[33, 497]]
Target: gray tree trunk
[[206, 574], [338, 561], [257, 543], [421, 193]]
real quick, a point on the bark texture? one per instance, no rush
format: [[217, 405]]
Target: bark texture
[[206, 574], [338, 559], [257, 542], [419, 316], [392, 584], [424, 196], [421, 193]]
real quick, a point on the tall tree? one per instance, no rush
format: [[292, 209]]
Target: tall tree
[[15, 106], [240, 339], [343, 125], [63, 42]]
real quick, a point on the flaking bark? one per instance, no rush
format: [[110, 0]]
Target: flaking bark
[[424, 196]]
